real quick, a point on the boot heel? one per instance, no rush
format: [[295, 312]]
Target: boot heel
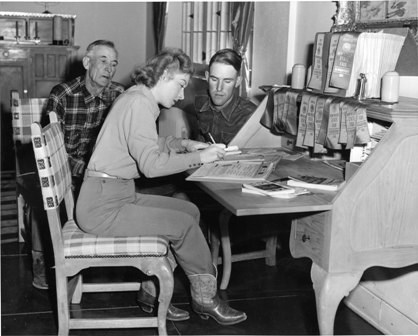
[[146, 308]]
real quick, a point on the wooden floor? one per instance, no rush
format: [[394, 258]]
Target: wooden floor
[[278, 300]]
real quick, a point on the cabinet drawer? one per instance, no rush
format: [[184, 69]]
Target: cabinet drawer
[[308, 235], [11, 54]]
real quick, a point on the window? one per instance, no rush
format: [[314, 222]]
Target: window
[[206, 29]]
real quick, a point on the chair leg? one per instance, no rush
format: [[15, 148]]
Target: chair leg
[[271, 244], [224, 219], [21, 218], [162, 270], [77, 291], [63, 310]]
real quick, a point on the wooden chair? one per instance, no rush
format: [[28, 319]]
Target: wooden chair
[[75, 250], [25, 111]]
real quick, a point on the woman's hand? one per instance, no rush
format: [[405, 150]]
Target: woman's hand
[[193, 146], [212, 153]]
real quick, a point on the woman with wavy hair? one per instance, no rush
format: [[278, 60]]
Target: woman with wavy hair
[[127, 147]]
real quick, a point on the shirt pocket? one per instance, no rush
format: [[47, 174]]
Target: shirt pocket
[[227, 136]]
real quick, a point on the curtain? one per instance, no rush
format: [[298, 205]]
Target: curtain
[[159, 23], [242, 22]]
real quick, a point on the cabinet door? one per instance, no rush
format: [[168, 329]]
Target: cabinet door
[[13, 76], [49, 68]]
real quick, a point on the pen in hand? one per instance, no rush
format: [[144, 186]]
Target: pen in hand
[[211, 138]]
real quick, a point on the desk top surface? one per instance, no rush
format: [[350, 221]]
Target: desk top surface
[[242, 204]]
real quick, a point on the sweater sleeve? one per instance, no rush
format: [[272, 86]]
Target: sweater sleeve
[[154, 156]]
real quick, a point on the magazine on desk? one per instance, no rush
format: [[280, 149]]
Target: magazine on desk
[[272, 189], [233, 171], [315, 182]]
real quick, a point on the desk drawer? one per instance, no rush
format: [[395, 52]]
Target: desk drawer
[[308, 235], [11, 54]]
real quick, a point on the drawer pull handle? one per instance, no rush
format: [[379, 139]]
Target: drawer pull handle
[[305, 238]]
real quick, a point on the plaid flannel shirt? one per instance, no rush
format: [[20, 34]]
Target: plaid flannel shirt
[[82, 116], [223, 124]]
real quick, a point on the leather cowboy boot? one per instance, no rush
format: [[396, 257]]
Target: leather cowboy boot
[[147, 298], [207, 303]]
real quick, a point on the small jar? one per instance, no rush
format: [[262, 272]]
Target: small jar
[[298, 76], [57, 32], [390, 87]]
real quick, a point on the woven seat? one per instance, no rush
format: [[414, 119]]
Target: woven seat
[[75, 250]]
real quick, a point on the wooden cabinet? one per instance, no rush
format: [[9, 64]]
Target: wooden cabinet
[[373, 220], [32, 70], [370, 221]]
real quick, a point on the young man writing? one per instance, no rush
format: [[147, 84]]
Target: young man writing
[[223, 112]]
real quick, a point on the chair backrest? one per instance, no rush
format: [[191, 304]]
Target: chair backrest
[[25, 112], [52, 162], [55, 178]]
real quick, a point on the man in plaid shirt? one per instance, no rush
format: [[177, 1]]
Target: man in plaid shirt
[[82, 105]]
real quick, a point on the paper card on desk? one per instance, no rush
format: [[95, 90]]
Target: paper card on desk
[[294, 157], [267, 188], [315, 182], [238, 172]]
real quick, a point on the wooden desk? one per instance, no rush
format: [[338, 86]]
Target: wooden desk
[[371, 221]]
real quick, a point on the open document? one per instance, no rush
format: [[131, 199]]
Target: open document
[[229, 171]]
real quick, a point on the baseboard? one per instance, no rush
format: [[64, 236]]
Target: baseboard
[[379, 313]]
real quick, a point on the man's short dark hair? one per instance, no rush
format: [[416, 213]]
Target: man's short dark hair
[[227, 56]]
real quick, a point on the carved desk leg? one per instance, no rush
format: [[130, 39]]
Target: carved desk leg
[[214, 245], [330, 288], [224, 219]]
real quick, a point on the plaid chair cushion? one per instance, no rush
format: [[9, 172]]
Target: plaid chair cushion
[[78, 244], [52, 162], [25, 112]]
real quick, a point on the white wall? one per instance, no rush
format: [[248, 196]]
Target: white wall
[[280, 40], [271, 22], [124, 23], [174, 25], [311, 17]]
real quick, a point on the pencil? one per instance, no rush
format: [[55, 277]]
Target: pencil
[[211, 138]]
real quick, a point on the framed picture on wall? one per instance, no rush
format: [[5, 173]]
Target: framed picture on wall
[[374, 15], [386, 10]]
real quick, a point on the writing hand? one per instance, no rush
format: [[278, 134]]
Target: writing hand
[[193, 146], [212, 153]]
